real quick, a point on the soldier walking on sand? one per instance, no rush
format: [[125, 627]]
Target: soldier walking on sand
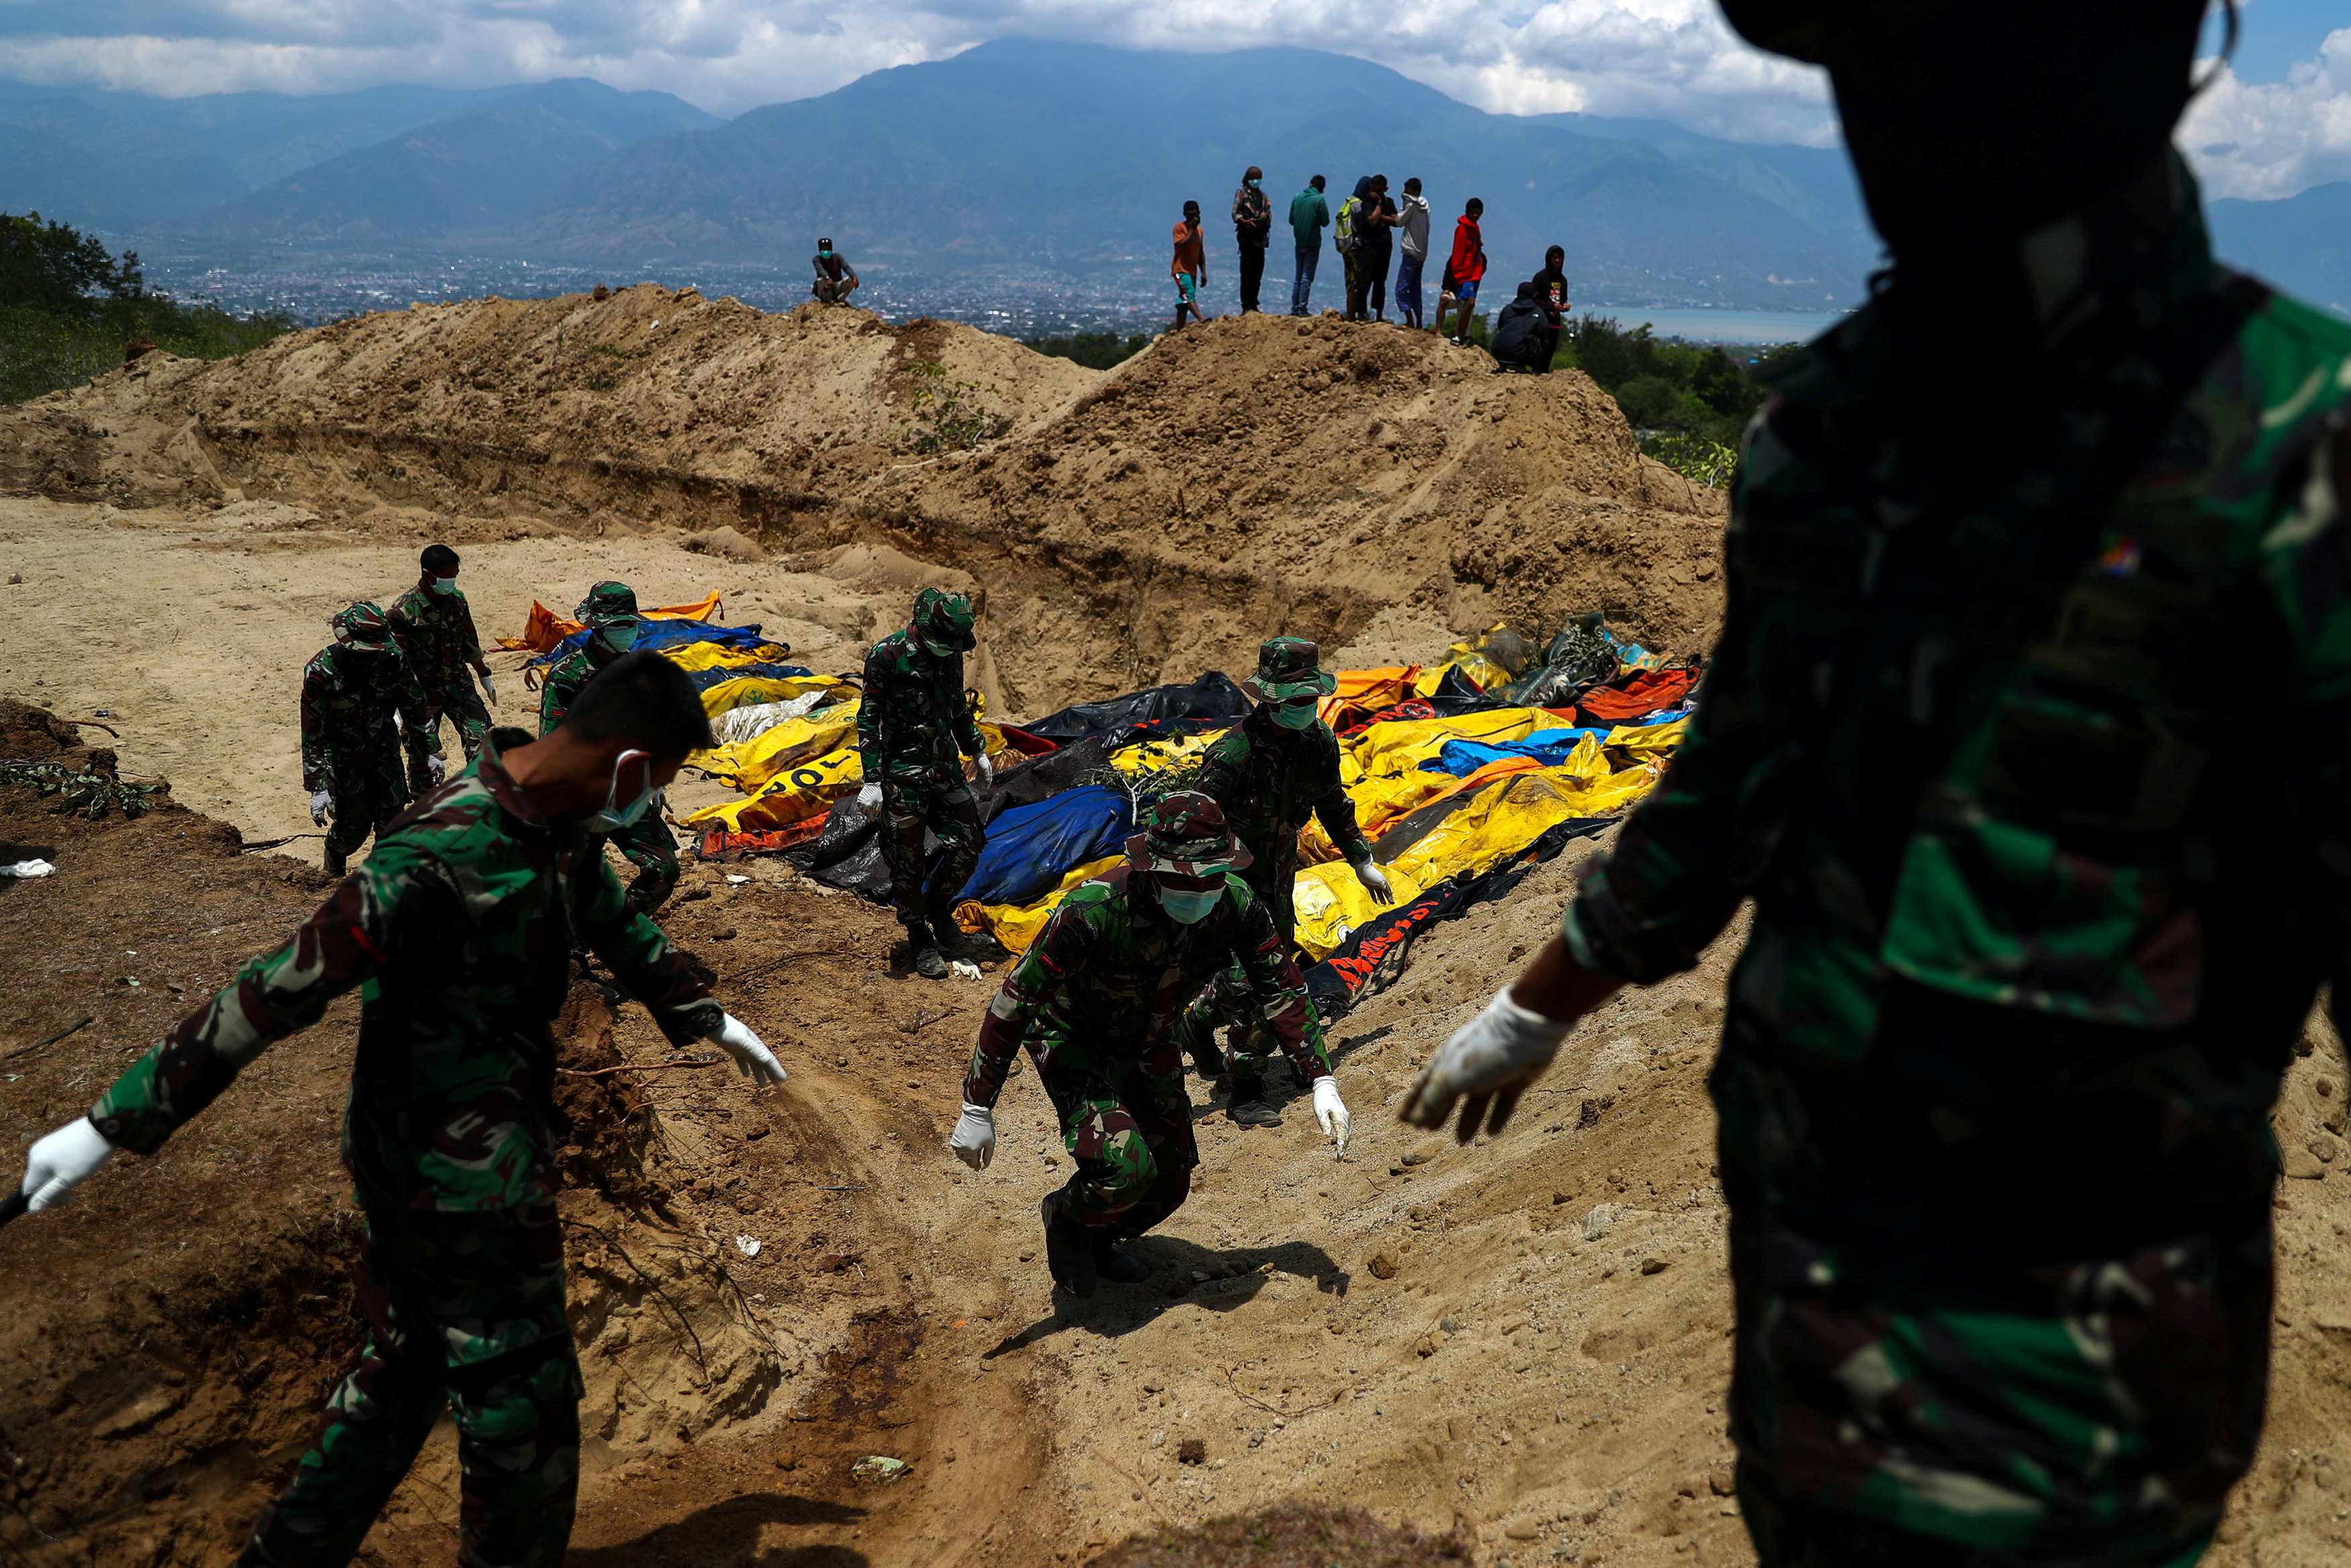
[[460, 927], [1269, 773], [613, 622], [2027, 959], [435, 628], [1095, 1000], [913, 729], [356, 693]]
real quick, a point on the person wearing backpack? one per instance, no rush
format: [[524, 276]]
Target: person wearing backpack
[[1462, 271], [1347, 235]]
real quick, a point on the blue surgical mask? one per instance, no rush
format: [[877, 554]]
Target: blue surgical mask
[[1294, 715], [1252, 185], [1188, 908], [444, 585], [615, 815]]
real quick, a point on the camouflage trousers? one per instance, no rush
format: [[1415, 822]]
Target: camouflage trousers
[[648, 844], [369, 791], [462, 706], [464, 1311], [1992, 1388], [922, 887], [1129, 1133], [1226, 1000]]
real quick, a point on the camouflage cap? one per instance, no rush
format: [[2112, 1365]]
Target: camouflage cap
[[608, 602], [1185, 832], [943, 622], [363, 624], [1289, 667]]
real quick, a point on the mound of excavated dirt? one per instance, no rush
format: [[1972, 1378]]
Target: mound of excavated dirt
[[1255, 475]]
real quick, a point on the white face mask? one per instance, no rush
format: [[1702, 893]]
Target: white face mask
[[444, 585], [616, 815]]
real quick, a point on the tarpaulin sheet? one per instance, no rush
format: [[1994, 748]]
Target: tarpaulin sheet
[[1212, 696], [847, 852], [737, 725], [1548, 747], [544, 629], [1373, 957], [1330, 901], [1646, 692], [1029, 847], [749, 766], [1043, 777], [1157, 755], [804, 790], [1015, 926], [1401, 745], [690, 645], [1641, 742]]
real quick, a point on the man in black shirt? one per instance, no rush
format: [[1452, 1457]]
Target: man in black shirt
[[836, 280], [1552, 283], [1252, 226]]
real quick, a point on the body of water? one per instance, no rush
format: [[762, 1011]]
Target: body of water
[[1721, 326]]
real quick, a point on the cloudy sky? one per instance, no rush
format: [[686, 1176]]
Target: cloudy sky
[[2276, 121]]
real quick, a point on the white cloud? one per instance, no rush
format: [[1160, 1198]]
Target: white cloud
[[1671, 58], [2265, 139]]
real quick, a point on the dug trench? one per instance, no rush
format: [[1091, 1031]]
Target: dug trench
[[1515, 1350]]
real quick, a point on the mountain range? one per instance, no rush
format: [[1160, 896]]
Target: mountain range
[[1017, 156]]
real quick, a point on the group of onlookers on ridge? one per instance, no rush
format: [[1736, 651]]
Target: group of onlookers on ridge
[[1368, 229]]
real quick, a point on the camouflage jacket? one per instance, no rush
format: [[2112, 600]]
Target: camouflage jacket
[[436, 632], [348, 702], [460, 926], [914, 723], [561, 687], [1270, 779], [1111, 973]]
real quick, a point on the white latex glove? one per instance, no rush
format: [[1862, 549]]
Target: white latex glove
[[986, 768], [62, 1161], [1331, 1111], [1375, 881], [974, 1142], [869, 798], [1496, 1054], [323, 808], [489, 688], [435, 769], [750, 1052]]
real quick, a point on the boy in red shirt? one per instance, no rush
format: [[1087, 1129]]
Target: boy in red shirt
[[1190, 268], [1462, 271]]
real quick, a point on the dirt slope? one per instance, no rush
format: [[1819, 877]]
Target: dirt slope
[[1260, 474]]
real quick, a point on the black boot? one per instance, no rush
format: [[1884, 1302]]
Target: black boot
[[1069, 1255], [1119, 1268], [1247, 1105], [334, 864], [923, 952]]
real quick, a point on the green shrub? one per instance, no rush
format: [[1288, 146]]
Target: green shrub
[[1662, 384], [1694, 457], [1094, 350], [947, 416]]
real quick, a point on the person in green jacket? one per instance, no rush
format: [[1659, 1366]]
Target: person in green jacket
[[358, 697], [1270, 773], [1310, 214], [2027, 958], [458, 930], [614, 623], [435, 628]]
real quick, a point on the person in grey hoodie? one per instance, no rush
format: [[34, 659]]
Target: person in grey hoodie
[[1412, 217]]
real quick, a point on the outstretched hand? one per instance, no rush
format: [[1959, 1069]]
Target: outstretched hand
[[1491, 1060]]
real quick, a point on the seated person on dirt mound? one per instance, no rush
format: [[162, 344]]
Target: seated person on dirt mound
[[913, 729], [609, 614], [1522, 337], [435, 628], [351, 747], [460, 927], [836, 280], [2027, 960], [1095, 1000], [1268, 774]]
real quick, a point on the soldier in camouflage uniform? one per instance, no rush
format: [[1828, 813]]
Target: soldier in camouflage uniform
[[2027, 959], [913, 729], [1095, 999], [611, 616], [1269, 773], [435, 628], [351, 746], [460, 927]]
